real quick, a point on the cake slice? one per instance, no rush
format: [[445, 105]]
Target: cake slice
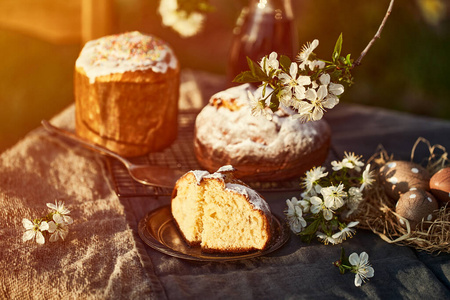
[[220, 213]]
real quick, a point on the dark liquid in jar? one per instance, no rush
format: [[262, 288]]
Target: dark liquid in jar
[[260, 34]]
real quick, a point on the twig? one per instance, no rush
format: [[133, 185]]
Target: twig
[[377, 35]]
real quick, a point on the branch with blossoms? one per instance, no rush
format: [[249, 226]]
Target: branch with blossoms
[[328, 199], [310, 85], [55, 224]]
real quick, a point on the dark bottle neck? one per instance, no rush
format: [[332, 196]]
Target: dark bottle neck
[[279, 8]]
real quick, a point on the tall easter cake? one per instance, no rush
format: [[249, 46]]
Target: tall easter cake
[[126, 93], [259, 149]]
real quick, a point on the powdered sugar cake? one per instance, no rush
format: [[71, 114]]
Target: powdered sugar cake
[[259, 149]]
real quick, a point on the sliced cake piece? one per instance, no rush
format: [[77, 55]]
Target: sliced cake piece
[[220, 213]]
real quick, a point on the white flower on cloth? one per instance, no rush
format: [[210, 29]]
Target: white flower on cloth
[[34, 230], [361, 267], [334, 196], [346, 232], [326, 239], [312, 176], [61, 210], [295, 215], [270, 64], [368, 178], [186, 24], [58, 228]]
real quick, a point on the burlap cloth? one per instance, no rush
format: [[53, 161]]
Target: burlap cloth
[[103, 258], [99, 258]]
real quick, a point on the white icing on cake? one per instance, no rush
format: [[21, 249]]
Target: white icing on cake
[[199, 175], [131, 51], [227, 168], [241, 135], [254, 198]]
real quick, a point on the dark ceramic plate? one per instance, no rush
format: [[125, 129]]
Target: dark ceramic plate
[[159, 231]]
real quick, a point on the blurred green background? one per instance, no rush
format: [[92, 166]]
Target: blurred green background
[[405, 70]]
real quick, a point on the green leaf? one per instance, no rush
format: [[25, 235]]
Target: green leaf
[[256, 70], [349, 60], [337, 49], [246, 77], [285, 63], [274, 102], [312, 228], [335, 75]]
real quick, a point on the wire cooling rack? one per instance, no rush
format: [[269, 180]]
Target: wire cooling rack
[[180, 155]]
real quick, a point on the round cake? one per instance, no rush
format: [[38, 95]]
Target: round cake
[[259, 149], [126, 93]]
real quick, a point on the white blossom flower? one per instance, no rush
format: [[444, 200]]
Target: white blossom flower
[[319, 100], [335, 89], [316, 63], [346, 232], [293, 85], [314, 109], [269, 64], [306, 51], [368, 178], [326, 239], [312, 176], [355, 160], [257, 107], [338, 165], [34, 230], [58, 228], [362, 268], [305, 204], [295, 215], [334, 196], [355, 197], [317, 205], [186, 24], [61, 210]]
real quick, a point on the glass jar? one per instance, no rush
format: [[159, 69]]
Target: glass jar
[[264, 26]]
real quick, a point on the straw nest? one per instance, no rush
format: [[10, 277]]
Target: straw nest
[[377, 212]]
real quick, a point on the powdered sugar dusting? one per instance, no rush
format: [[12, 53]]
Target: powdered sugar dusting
[[254, 198], [199, 175], [129, 51], [238, 93], [241, 135], [227, 168]]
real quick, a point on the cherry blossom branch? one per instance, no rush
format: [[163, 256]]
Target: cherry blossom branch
[[377, 35]]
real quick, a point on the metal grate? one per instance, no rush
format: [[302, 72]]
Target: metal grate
[[180, 155]]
